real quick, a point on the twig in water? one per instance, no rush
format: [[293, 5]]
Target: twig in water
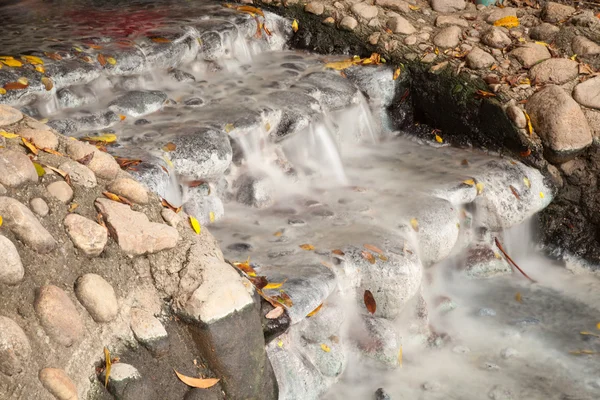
[[510, 260]]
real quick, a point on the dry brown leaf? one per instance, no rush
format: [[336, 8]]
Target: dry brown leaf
[[259, 282], [518, 297], [245, 267], [316, 310], [127, 163], [370, 302], [200, 383], [338, 252], [284, 299], [116, 197], [373, 248], [307, 246], [101, 59], [108, 365], [275, 313], [15, 86], [52, 151], [169, 147], [514, 191], [47, 82], [85, 160], [368, 256], [168, 205]]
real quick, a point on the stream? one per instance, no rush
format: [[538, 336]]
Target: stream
[[297, 168]]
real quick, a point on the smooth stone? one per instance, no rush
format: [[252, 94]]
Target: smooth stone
[[16, 169], [483, 262], [25, 226], [58, 383], [500, 13], [584, 46], [555, 12], [3, 190], [559, 121], [544, 31], [254, 191], [517, 116], [9, 115], [314, 7], [97, 296], [39, 206], [61, 191], [121, 377], [587, 93], [130, 189], [448, 37], [396, 5], [148, 330], [554, 70], [79, 173], [381, 394], [443, 20], [401, 25], [364, 10], [102, 164], [133, 231], [58, 315], [15, 349], [448, 6], [495, 37], [348, 23], [479, 59], [11, 267], [44, 139], [138, 103], [86, 235], [530, 54], [377, 339]]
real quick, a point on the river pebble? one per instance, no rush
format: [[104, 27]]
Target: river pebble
[[11, 267], [58, 315], [97, 296], [57, 382], [15, 349], [86, 235]]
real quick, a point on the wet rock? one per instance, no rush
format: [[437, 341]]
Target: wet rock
[[329, 363], [25, 226], [121, 376], [396, 5], [272, 328], [314, 7], [254, 191], [148, 330], [443, 20], [73, 98], [86, 235], [555, 12], [530, 54], [584, 46], [206, 209], [448, 37], [364, 10], [495, 37], [479, 59], [555, 70], [58, 315], [16, 169], [240, 247], [381, 394], [379, 340], [500, 393], [58, 383], [138, 103], [326, 323], [11, 267], [181, 76], [61, 191], [96, 120], [15, 349], [9, 115], [587, 93], [508, 353], [559, 122], [486, 312], [348, 23], [102, 164], [39, 206], [44, 139], [448, 6], [132, 230], [483, 262], [544, 32], [401, 25], [517, 116], [79, 173], [129, 189], [333, 91], [201, 153]]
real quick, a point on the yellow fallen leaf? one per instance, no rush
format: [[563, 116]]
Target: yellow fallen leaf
[[2, 221], [11, 62], [229, 128], [40, 69], [400, 357], [316, 310], [307, 246], [278, 233], [8, 135], [195, 225], [414, 8], [542, 195], [574, 57], [597, 325], [168, 161], [508, 22], [542, 43], [24, 81], [105, 138], [72, 207], [2, 91], [108, 364], [169, 147], [267, 127], [586, 333], [340, 65], [518, 297], [211, 216], [325, 348], [30, 146], [415, 224], [479, 187], [439, 139], [469, 182], [527, 182], [397, 73], [197, 382], [280, 343], [39, 169], [581, 352], [111, 60], [33, 60], [272, 285], [295, 25]]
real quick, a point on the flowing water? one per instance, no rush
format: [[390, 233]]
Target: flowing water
[[328, 173]]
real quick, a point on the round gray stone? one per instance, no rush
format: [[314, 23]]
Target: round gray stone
[[39, 206], [11, 268]]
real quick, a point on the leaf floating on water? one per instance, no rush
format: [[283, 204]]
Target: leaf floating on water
[[30, 146], [295, 25], [39, 169], [280, 343], [33, 60], [160, 40], [373, 248], [229, 128], [586, 333], [23, 80], [195, 225], [370, 302], [275, 313], [527, 182], [316, 310], [368, 256], [53, 56], [8, 135], [542, 195], [108, 364], [101, 59], [40, 69], [307, 246], [469, 182], [325, 348], [479, 187], [439, 139], [598, 326], [583, 352], [10, 62], [340, 65], [1, 220], [514, 191], [397, 72], [250, 9], [382, 257], [169, 147], [200, 383], [508, 22], [111, 60], [47, 82], [104, 138], [338, 252], [211, 217], [15, 86], [2, 91], [259, 282], [126, 163], [518, 297], [415, 224], [278, 234]]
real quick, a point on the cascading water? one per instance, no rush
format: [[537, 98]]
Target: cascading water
[[326, 200]]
